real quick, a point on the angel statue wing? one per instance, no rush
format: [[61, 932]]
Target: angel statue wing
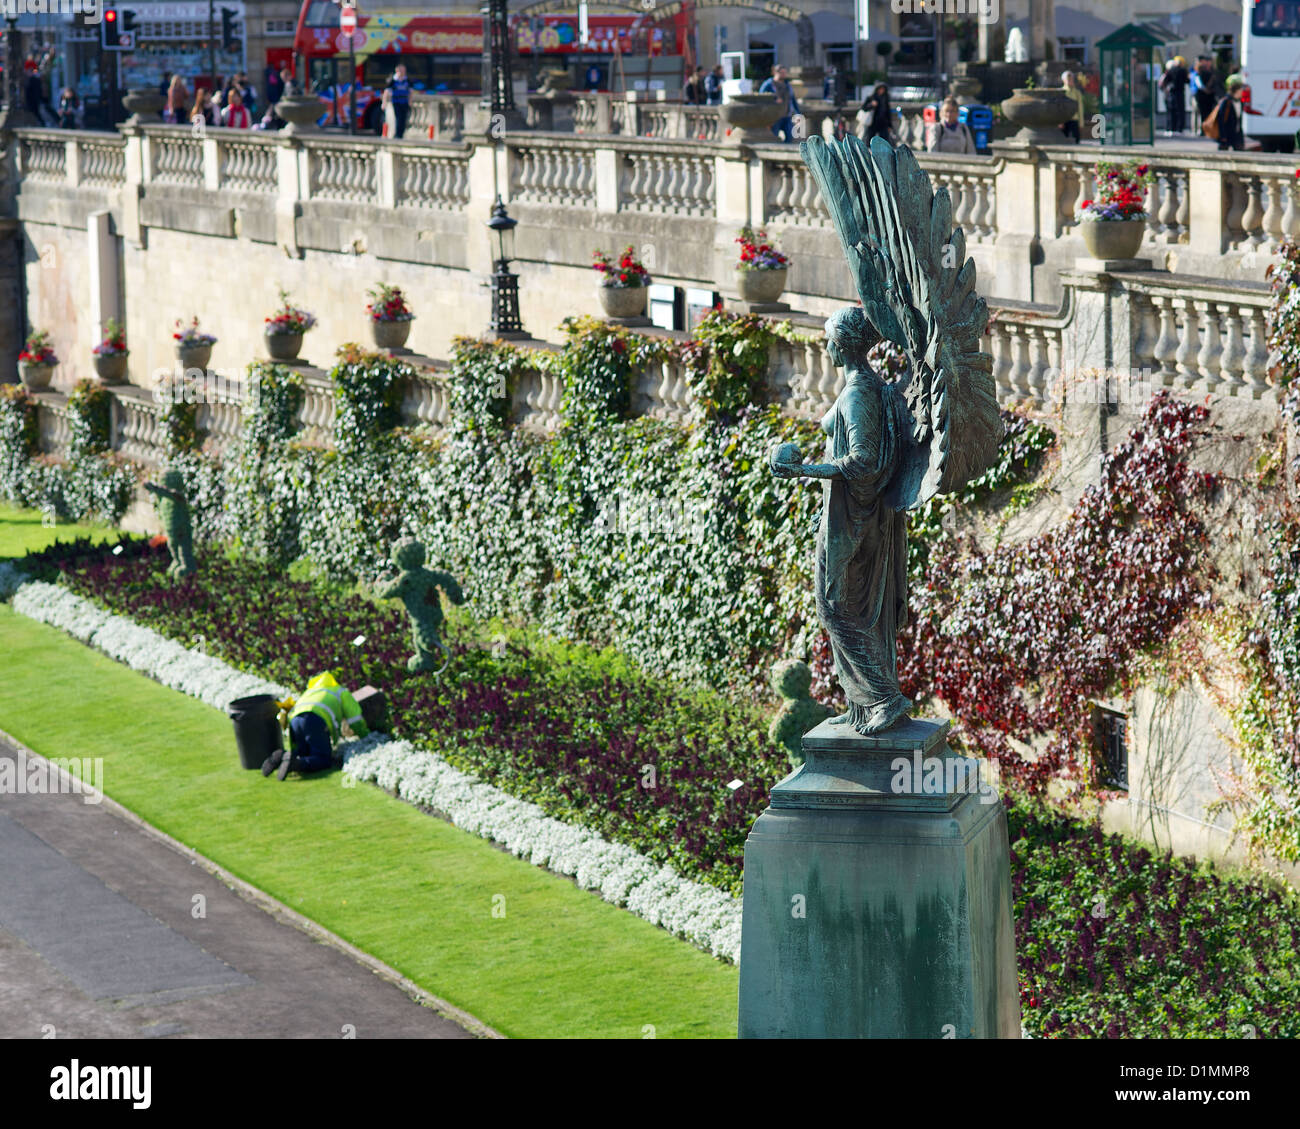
[[918, 289]]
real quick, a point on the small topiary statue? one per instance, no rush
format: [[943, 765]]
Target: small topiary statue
[[417, 587], [799, 714], [174, 512]]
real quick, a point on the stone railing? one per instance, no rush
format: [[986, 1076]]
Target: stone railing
[[175, 158], [43, 156], [431, 180], [1199, 335], [342, 172], [245, 166], [138, 426], [553, 174]]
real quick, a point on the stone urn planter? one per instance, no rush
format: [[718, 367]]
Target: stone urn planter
[[194, 356], [111, 367], [1039, 113], [750, 117], [1113, 239], [301, 112], [145, 104], [36, 377], [284, 346], [390, 334], [761, 285], [622, 301]]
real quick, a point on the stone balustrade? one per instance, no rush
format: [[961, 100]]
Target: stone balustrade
[[138, 431]]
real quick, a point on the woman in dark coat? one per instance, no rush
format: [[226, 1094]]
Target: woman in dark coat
[[879, 113], [861, 563]]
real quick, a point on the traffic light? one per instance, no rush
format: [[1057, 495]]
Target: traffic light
[[229, 40], [118, 29]]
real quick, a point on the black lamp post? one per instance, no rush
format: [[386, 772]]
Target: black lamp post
[[498, 88], [505, 284]]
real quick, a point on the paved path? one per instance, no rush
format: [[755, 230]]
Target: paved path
[[98, 939]]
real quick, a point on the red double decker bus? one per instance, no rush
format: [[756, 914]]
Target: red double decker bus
[[444, 54]]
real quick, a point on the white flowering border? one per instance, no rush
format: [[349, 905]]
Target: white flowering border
[[701, 914]]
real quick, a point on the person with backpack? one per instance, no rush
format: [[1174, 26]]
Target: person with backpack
[[1225, 122], [950, 134]]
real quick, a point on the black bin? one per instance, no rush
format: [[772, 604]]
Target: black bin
[[257, 728]]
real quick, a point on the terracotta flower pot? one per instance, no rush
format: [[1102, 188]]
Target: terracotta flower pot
[[194, 356], [622, 301], [1113, 239], [284, 346], [111, 367], [1040, 113], [35, 376], [390, 334], [761, 285]]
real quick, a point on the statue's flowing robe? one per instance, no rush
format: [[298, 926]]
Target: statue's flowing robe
[[861, 564]]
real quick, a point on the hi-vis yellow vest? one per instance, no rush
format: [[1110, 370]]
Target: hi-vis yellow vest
[[332, 704]]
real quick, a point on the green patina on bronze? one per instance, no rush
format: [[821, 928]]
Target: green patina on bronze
[[890, 447], [799, 713], [418, 588], [173, 510]]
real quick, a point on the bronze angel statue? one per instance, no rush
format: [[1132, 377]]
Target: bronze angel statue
[[890, 446]]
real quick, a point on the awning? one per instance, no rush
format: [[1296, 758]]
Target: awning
[[1204, 20], [828, 27], [1073, 24]]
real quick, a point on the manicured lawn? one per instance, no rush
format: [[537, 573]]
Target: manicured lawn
[[406, 887], [21, 531]]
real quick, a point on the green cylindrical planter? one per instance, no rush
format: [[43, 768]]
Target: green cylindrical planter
[[874, 912]]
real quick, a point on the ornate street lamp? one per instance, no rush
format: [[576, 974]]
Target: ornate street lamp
[[498, 88], [505, 284]]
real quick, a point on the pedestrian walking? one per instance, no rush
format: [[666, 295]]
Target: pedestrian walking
[[950, 134], [779, 86], [1207, 90], [693, 93], [69, 109], [399, 92], [1074, 127], [178, 101], [1225, 122], [878, 114], [1173, 85], [713, 86]]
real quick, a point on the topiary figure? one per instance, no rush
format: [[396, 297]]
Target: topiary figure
[[417, 587], [174, 512], [792, 679]]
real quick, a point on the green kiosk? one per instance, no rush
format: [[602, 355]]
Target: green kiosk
[[1128, 85]]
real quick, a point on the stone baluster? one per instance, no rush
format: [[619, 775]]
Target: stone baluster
[[1252, 218], [1067, 196], [1235, 192], [1188, 346], [1146, 334], [1272, 222], [999, 347], [1255, 366], [1211, 350], [1166, 347], [1019, 376], [1233, 358], [1038, 366], [1290, 221], [964, 205], [1168, 225]]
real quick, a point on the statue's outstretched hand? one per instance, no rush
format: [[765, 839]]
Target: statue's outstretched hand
[[786, 461]]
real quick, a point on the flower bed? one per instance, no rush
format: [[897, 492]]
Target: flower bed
[[1112, 940], [702, 915], [567, 735]]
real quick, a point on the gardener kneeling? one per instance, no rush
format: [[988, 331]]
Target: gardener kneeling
[[314, 725]]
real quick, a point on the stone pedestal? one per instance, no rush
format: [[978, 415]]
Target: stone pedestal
[[878, 896]]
